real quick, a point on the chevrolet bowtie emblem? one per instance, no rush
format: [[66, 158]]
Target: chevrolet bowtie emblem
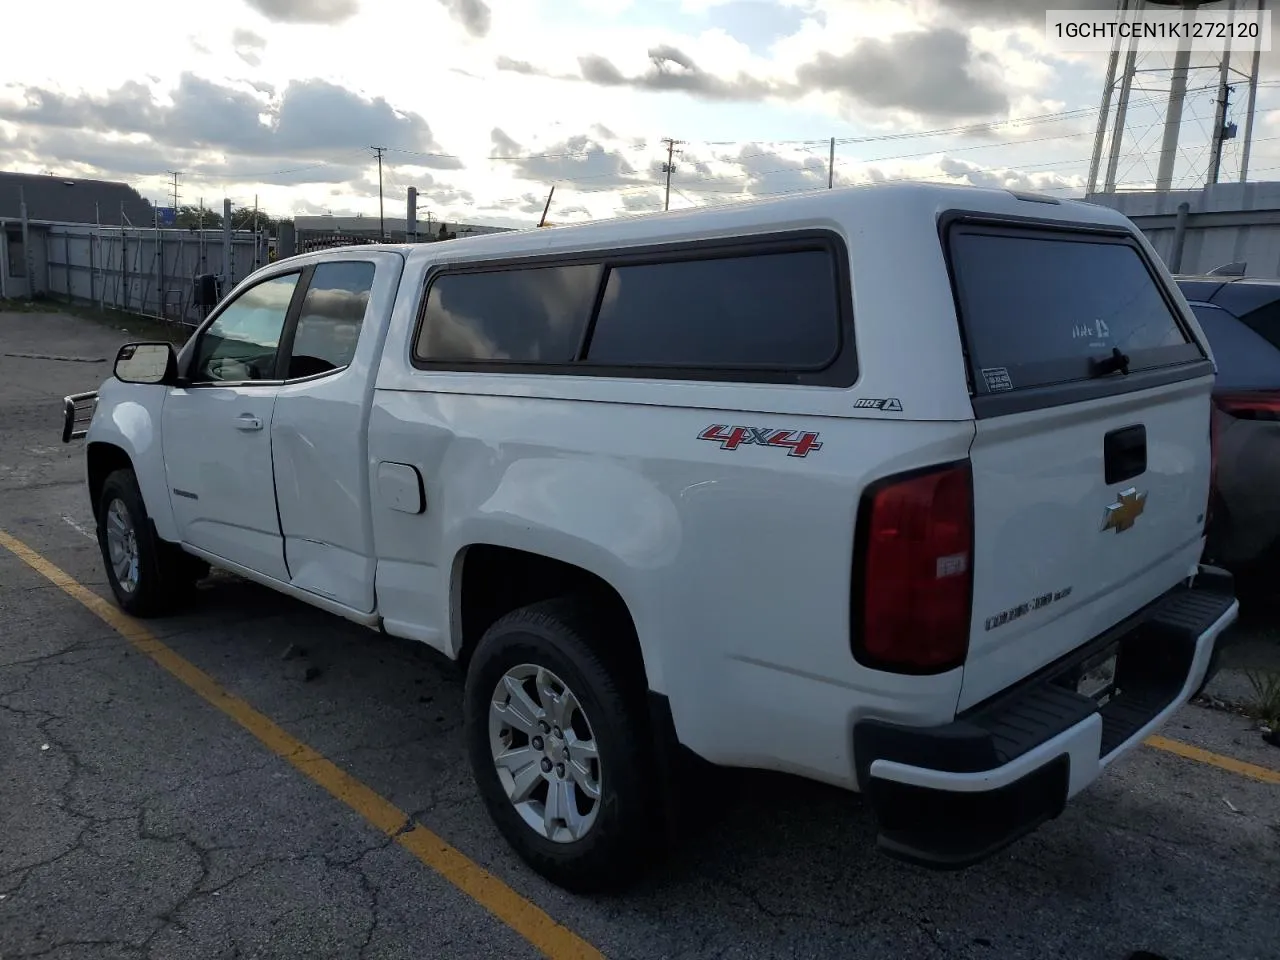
[[1122, 514]]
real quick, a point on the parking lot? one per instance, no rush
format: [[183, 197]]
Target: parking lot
[[258, 779]]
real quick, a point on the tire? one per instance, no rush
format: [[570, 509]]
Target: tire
[[153, 577], [615, 849]]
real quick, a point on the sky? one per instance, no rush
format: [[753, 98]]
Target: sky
[[485, 105]]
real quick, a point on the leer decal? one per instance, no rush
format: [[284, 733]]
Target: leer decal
[[797, 443], [888, 405]]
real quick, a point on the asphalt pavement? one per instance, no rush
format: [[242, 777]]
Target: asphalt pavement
[[140, 817]]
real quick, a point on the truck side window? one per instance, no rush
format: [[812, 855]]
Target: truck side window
[[331, 316], [766, 310], [241, 343], [531, 314]]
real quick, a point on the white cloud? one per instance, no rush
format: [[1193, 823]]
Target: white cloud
[[251, 107]]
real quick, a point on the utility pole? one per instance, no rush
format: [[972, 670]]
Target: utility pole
[[228, 256], [175, 174], [1221, 102], [1221, 133], [831, 165], [669, 167], [382, 224]]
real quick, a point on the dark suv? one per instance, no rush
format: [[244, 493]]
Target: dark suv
[[1241, 318]]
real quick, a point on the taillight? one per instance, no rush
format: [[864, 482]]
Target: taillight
[[1255, 405], [913, 571]]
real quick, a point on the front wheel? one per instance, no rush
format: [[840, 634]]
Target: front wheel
[[557, 744], [147, 575]]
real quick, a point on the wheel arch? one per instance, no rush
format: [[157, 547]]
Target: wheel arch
[[493, 575], [101, 460], [125, 433]]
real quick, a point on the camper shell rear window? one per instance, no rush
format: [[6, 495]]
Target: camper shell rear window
[[1041, 307]]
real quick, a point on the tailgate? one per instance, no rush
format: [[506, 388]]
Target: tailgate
[[1092, 457]]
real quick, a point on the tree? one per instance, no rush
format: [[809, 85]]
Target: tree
[[242, 218], [189, 218]]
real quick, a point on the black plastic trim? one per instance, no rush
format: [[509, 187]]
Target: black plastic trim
[[1221, 581], [951, 831], [841, 370], [858, 586], [1155, 651], [1124, 453], [70, 410], [1039, 398], [1178, 616]]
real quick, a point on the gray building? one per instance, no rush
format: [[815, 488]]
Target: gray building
[[53, 200], [1224, 225]]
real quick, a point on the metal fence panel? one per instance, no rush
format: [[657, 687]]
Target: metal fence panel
[[146, 272]]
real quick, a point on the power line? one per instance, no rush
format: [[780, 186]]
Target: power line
[[804, 145]]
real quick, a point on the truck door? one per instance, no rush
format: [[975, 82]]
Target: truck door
[[217, 431], [319, 433]]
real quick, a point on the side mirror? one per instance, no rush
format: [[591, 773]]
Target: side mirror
[[146, 363]]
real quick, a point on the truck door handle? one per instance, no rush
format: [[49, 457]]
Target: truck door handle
[[247, 421]]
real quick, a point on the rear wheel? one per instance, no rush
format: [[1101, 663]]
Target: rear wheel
[[559, 747], [147, 575]]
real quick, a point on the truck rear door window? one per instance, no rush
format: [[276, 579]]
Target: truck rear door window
[[523, 315], [1040, 308], [763, 311]]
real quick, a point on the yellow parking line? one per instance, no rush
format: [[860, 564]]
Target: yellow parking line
[[522, 916], [1250, 770]]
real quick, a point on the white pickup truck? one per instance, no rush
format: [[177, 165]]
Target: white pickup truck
[[899, 488]]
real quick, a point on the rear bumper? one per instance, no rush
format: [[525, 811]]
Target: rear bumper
[[950, 796]]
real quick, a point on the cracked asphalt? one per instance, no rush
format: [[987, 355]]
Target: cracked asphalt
[[138, 821]]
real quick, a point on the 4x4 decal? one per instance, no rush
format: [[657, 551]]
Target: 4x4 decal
[[797, 443]]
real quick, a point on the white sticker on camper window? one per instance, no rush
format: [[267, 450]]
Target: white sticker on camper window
[[1097, 333], [997, 379]]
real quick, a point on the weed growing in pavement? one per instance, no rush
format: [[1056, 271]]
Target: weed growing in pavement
[[1266, 703]]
